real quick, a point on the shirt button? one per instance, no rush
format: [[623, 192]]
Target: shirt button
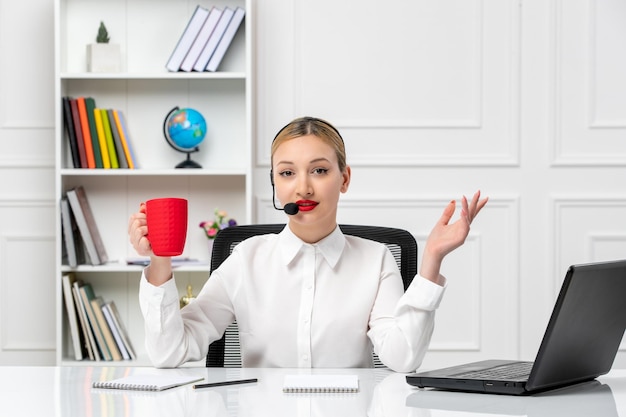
[[305, 357]]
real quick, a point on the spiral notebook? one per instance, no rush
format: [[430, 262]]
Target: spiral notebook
[[321, 383], [147, 382]]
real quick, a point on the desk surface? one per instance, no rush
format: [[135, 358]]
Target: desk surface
[[66, 391]]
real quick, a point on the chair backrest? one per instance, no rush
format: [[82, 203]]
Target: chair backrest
[[225, 352]]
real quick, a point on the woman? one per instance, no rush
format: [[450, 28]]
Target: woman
[[309, 296]]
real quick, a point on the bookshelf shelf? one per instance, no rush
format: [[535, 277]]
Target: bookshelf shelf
[[145, 92], [135, 269], [68, 172], [237, 75]]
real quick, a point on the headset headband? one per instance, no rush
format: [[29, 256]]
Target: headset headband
[[308, 119]]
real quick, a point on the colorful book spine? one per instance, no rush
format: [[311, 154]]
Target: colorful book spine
[[121, 157], [109, 137], [69, 128], [117, 115], [102, 140], [84, 124], [90, 105], [80, 144]]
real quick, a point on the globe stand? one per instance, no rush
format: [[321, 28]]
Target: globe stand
[[188, 163]]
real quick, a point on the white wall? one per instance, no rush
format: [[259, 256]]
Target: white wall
[[524, 100]]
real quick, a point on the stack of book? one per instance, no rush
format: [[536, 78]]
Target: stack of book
[[81, 238], [206, 39], [95, 326], [98, 138]]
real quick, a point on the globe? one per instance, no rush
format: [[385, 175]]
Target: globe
[[184, 129]]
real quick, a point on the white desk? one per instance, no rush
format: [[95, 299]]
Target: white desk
[[66, 391]]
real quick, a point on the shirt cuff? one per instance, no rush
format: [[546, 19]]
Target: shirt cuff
[[162, 295], [425, 294]]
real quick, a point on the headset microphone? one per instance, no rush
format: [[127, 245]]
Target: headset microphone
[[289, 208]]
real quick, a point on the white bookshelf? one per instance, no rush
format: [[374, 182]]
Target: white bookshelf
[[145, 91]]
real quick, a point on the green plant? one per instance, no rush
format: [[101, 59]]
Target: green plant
[[103, 35]]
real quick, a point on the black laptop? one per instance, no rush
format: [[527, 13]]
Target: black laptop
[[587, 399], [583, 335]]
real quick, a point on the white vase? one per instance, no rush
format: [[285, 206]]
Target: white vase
[[103, 57]]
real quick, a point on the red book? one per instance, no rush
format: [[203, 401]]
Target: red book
[[80, 143], [84, 124]]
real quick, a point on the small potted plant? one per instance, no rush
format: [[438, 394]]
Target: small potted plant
[[212, 227], [103, 56]]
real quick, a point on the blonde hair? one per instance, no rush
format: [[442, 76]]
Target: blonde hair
[[312, 126]]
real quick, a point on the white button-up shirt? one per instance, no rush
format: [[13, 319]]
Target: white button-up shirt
[[298, 305]]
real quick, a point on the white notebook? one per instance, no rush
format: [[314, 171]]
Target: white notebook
[[147, 382], [321, 383]]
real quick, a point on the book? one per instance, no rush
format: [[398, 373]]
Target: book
[[72, 315], [78, 132], [69, 129], [119, 331], [87, 294], [90, 105], [84, 124], [125, 136], [121, 132], [96, 305], [321, 383], [102, 140], [119, 148], [190, 33], [106, 126], [87, 225], [201, 40], [88, 337], [214, 40], [71, 235], [158, 382], [226, 40]]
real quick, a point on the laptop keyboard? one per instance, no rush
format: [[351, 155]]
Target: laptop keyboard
[[516, 370]]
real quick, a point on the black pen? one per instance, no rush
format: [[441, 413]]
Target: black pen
[[220, 384]]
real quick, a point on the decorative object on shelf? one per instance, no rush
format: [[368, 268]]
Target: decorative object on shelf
[[184, 129], [186, 299], [103, 56], [219, 222]]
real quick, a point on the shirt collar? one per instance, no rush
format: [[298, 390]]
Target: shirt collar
[[331, 247]]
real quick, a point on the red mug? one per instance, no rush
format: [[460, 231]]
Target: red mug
[[167, 225]]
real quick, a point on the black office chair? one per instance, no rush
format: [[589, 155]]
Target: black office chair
[[225, 352]]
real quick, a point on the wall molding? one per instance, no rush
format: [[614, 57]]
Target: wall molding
[[7, 344], [490, 148], [573, 148]]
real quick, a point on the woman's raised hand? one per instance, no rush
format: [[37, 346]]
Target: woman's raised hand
[[446, 237]]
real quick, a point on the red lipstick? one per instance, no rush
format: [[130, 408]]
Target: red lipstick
[[306, 205]]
